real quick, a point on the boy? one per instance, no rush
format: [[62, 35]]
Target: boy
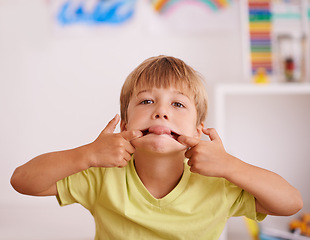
[[136, 183]]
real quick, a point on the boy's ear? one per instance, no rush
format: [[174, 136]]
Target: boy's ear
[[123, 126], [199, 130]]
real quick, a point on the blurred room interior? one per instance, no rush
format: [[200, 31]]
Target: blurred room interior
[[62, 65]]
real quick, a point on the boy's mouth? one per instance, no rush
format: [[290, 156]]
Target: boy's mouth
[[161, 130]]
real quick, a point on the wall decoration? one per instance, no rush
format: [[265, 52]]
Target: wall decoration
[[164, 6], [192, 16], [93, 12], [260, 28]]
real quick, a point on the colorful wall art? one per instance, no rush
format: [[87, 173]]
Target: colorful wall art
[[94, 12], [260, 27], [164, 6]]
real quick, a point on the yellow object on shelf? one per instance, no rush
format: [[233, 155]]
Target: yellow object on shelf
[[261, 76], [303, 225], [252, 227]]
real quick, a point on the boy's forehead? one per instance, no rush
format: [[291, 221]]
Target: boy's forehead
[[177, 90]]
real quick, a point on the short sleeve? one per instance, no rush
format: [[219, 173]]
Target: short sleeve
[[82, 187], [242, 203]]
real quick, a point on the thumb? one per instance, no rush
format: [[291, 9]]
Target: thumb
[[213, 135], [131, 135], [112, 124], [188, 141]]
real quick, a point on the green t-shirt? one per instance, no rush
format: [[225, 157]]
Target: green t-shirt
[[197, 208]]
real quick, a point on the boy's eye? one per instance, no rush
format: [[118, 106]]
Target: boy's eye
[[178, 105], [147, 101]]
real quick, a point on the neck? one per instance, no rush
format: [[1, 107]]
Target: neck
[[159, 173]]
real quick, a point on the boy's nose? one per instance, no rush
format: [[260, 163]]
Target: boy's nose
[[163, 116], [161, 111]]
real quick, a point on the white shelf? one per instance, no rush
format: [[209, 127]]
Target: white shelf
[[276, 88], [295, 27], [224, 90]]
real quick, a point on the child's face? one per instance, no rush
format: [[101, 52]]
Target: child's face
[[162, 115]]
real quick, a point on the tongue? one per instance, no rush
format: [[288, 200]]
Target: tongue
[[159, 130]]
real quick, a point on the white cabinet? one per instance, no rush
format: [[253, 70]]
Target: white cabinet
[[268, 126]]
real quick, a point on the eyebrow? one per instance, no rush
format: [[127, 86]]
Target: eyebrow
[[150, 90], [142, 91], [182, 93]]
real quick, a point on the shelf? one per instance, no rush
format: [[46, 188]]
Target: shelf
[[276, 88], [283, 26], [237, 89]]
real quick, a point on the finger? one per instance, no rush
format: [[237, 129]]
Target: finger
[[129, 148], [112, 124], [212, 133], [131, 135], [189, 153], [193, 169], [189, 163], [124, 163], [188, 141], [127, 157]]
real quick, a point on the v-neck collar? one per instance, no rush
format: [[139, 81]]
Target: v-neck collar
[[171, 196]]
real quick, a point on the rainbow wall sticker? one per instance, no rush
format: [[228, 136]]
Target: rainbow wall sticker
[[260, 36], [163, 6]]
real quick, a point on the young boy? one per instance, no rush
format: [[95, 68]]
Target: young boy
[[137, 184]]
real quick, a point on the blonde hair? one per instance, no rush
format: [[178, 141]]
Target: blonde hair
[[164, 72]]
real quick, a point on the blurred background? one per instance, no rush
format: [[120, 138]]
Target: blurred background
[[63, 63]]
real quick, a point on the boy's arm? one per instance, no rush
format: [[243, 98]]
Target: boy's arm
[[273, 194], [39, 176]]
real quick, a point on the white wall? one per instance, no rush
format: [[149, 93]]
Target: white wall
[[59, 89]]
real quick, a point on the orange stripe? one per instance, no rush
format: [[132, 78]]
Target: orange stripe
[[159, 5]]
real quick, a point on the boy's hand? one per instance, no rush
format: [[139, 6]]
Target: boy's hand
[[112, 149], [207, 158]]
